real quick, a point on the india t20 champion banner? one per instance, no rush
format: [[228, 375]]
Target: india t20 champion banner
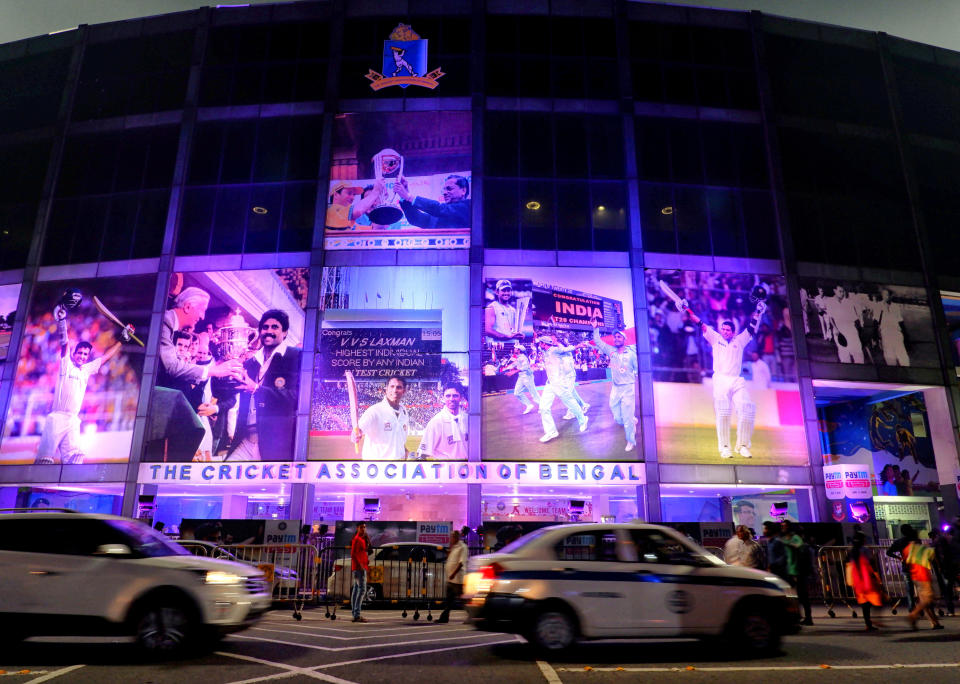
[[724, 369], [372, 353], [390, 377], [559, 364]]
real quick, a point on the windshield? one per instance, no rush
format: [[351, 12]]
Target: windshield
[[518, 544], [146, 541]]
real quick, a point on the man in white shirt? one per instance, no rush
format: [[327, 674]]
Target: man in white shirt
[[761, 372], [558, 385], [729, 387], [890, 321], [453, 570], [845, 318], [445, 437], [385, 425], [623, 375], [60, 438], [501, 318], [525, 383]]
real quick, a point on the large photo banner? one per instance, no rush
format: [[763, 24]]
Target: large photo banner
[[724, 369], [77, 383], [390, 379], [893, 436], [228, 374], [400, 180], [9, 295], [867, 323], [559, 364]]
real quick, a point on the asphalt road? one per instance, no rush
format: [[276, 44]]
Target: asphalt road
[[394, 649]]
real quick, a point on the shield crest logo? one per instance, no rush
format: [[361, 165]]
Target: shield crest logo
[[404, 61]]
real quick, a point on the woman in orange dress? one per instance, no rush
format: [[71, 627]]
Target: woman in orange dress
[[863, 577]]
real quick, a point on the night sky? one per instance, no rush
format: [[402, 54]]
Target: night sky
[[926, 21]]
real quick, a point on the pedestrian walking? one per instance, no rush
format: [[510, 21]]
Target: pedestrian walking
[[920, 560], [776, 551], [743, 550], [359, 565], [862, 575], [946, 567], [895, 550], [453, 569], [799, 567]]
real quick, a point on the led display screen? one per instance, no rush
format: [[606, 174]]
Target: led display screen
[[390, 378], [559, 364], [725, 386], [867, 323], [77, 383], [400, 180], [228, 371]]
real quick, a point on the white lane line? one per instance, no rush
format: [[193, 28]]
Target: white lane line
[[410, 654], [549, 673], [772, 668], [372, 635], [291, 670], [358, 646], [53, 675]]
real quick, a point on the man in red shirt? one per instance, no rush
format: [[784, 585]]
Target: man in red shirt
[[359, 565]]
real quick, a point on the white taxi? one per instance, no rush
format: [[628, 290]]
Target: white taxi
[[598, 581]]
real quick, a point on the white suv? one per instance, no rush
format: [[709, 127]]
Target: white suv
[[69, 574], [592, 581]]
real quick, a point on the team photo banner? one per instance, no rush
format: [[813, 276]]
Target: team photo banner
[[394, 472]]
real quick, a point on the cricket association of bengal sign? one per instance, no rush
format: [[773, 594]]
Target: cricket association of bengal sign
[[404, 62]]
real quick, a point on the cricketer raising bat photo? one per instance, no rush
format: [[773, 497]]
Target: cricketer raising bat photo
[[112, 318]]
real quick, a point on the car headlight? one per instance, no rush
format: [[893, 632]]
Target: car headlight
[[221, 577]]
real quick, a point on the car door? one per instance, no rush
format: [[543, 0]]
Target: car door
[[676, 591], [590, 575], [64, 574]]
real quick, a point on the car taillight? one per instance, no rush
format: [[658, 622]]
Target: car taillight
[[491, 572]]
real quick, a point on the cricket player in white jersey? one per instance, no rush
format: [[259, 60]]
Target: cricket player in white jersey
[[60, 438], [729, 387], [445, 437], [502, 317], [890, 320], [623, 371], [558, 385], [845, 318], [385, 425], [525, 383], [570, 371]]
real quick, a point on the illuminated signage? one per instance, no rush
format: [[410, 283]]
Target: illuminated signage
[[394, 473], [404, 62], [848, 480]]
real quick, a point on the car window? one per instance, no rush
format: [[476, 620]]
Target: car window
[[63, 536], [591, 546], [144, 540], [654, 546], [388, 553]]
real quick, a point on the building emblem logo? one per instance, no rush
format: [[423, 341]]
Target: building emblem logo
[[404, 62]]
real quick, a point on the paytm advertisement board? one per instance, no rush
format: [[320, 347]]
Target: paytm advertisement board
[[390, 378], [559, 364], [434, 533], [77, 382], [400, 180], [228, 368], [724, 369]]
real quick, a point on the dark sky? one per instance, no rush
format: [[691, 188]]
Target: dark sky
[[927, 21]]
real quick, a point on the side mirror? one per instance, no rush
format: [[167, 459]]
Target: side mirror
[[113, 550]]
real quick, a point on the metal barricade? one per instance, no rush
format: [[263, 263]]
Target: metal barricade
[[292, 569], [406, 575], [833, 578]]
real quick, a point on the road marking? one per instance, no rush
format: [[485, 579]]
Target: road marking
[[415, 653], [771, 668], [53, 675], [291, 670], [549, 673], [359, 646], [372, 635]]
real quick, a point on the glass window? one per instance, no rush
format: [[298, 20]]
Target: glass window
[[592, 546], [656, 547]]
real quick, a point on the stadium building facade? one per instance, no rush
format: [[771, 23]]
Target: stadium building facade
[[500, 204]]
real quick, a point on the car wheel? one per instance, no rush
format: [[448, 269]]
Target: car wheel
[[755, 631], [166, 629], [373, 593], [553, 630]]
